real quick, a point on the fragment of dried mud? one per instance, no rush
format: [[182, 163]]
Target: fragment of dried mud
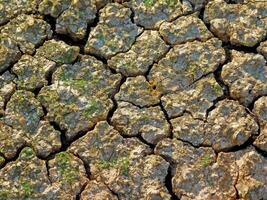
[[7, 88], [114, 33], [24, 178], [228, 125], [184, 29], [150, 14], [58, 51], [29, 31], [252, 182], [9, 52], [12, 8], [79, 95], [96, 191], [147, 49], [185, 64], [150, 122], [27, 178], [239, 24], [2, 161], [260, 109], [32, 72], [197, 173], [196, 99], [73, 17], [68, 172], [246, 76], [23, 113], [262, 49], [122, 164], [138, 91], [11, 141]]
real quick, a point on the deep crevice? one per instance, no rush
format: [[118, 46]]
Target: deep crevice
[[8, 99], [98, 57], [252, 104], [78, 196], [248, 143], [14, 158], [115, 104], [52, 21], [245, 49], [261, 152], [113, 192], [201, 15], [47, 171], [68, 39], [86, 166], [168, 184], [219, 80], [65, 142], [167, 118], [156, 62], [138, 136]]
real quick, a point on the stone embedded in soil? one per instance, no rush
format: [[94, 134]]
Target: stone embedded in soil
[[79, 95], [138, 91], [260, 110], [28, 31], [23, 113], [197, 173], [68, 172], [262, 49], [185, 64], [32, 72], [27, 178], [9, 52], [114, 33], [196, 99], [239, 24], [7, 88], [147, 49], [96, 190], [76, 18], [184, 29], [123, 164], [228, 125], [246, 76], [12, 8], [150, 14], [58, 51], [150, 122]]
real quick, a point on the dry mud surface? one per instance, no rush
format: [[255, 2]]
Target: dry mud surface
[[133, 100]]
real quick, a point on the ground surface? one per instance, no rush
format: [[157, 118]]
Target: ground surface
[[137, 100]]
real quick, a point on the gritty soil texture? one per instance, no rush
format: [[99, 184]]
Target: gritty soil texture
[[133, 99]]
